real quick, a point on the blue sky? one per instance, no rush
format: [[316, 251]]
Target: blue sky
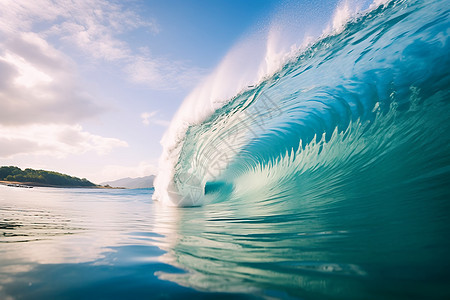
[[89, 87]]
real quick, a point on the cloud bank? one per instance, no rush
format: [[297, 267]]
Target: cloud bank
[[56, 140], [41, 96]]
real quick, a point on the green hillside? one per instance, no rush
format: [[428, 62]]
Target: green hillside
[[42, 177]]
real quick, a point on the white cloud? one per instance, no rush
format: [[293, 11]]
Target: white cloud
[[146, 117], [42, 97], [161, 74], [53, 140], [96, 28], [93, 28], [150, 118], [29, 76], [39, 84]]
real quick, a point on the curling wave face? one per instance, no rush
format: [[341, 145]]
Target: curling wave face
[[329, 179], [330, 106]]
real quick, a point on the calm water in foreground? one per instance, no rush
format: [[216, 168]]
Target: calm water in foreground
[[118, 244], [83, 244]]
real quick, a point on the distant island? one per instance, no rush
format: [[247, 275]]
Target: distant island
[[33, 177], [15, 176], [132, 183]]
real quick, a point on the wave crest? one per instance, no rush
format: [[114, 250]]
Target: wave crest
[[348, 84]]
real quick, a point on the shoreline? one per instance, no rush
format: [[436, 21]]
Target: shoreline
[[37, 184]]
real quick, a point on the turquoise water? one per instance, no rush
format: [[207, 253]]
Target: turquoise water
[[328, 180], [118, 244], [362, 108]]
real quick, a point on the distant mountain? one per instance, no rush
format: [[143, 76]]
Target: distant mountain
[[132, 183]]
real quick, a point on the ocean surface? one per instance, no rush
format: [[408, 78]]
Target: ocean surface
[[327, 179], [119, 244], [87, 244]]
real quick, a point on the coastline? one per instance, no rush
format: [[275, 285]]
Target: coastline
[[37, 184]]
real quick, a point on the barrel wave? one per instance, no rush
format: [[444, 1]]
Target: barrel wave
[[349, 103], [331, 176]]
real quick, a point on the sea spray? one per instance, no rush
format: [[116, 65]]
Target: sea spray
[[248, 64]]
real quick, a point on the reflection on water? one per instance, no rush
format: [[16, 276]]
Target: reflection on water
[[83, 244], [116, 244], [67, 225], [366, 251]]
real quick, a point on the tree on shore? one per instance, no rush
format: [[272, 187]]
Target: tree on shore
[[12, 173]]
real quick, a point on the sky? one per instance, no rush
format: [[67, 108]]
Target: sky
[[88, 87]]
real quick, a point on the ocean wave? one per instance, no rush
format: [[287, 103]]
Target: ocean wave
[[360, 95]]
